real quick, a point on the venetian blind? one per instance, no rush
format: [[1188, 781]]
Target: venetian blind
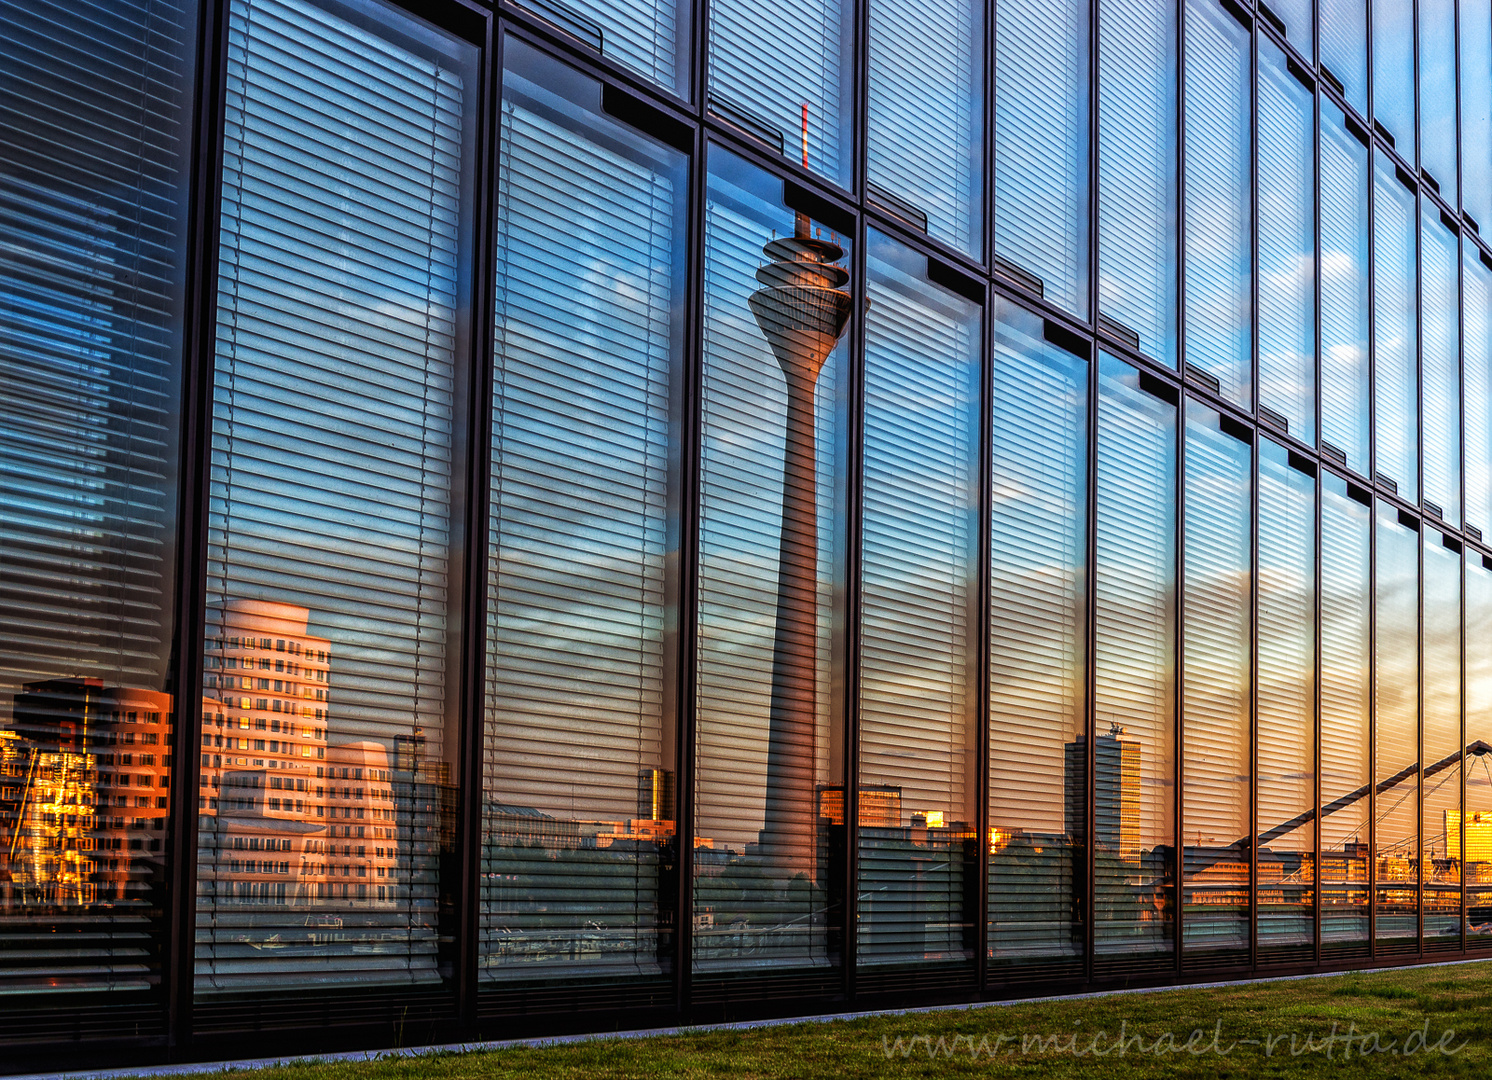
[[1218, 211], [1477, 382], [95, 112], [1287, 225], [1134, 666], [917, 739], [93, 108], [586, 284], [1041, 144], [1137, 172], [1344, 293], [1395, 332], [926, 112], [1215, 691], [335, 396], [642, 34], [769, 59], [1440, 367], [1038, 752]]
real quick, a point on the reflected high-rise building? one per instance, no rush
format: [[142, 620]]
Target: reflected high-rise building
[[1116, 792], [287, 816], [85, 772]]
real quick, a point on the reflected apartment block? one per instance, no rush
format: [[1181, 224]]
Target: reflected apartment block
[[289, 816]]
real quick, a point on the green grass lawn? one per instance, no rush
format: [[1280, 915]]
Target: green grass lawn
[[1360, 1025]]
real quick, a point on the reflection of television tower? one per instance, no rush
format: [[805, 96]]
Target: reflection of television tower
[[802, 310]]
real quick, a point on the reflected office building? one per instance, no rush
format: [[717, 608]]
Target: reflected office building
[[671, 513]]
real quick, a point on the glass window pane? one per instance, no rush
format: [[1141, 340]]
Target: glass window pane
[[1137, 174], [1041, 145], [1344, 294], [1393, 72], [1216, 630], [649, 36], [1297, 17], [1287, 706], [925, 123], [578, 793], [1441, 867], [1437, 93], [781, 70], [1475, 834], [769, 785], [1344, 48], [1134, 674], [95, 139], [1396, 771], [334, 571], [1218, 213], [1476, 110], [1038, 618], [1440, 367], [919, 746], [1346, 758], [1395, 333], [1287, 246], [1477, 376]]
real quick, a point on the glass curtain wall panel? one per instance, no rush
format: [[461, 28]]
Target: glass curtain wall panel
[[1216, 693], [1476, 361], [1476, 111], [919, 736], [782, 71], [649, 36], [769, 783], [1346, 723], [1038, 629], [1137, 163], [1345, 384], [1297, 17], [578, 839], [1395, 334], [1287, 248], [1285, 823], [1440, 366], [95, 114], [1396, 731], [1219, 205], [1041, 147], [334, 564], [1393, 72], [925, 117], [1437, 95], [1344, 49], [1440, 867], [1473, 840], [1134, 852]]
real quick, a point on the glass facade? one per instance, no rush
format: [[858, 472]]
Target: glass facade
[[599, 513]]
